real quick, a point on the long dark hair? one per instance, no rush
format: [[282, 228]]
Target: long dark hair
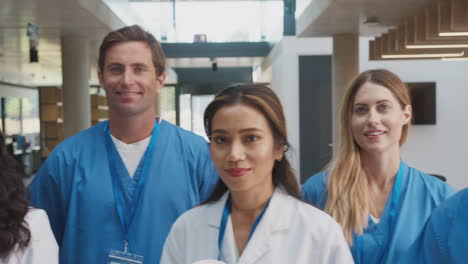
[[13, 204], [264, 100]]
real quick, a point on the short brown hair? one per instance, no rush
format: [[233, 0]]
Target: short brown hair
[[133, 33]]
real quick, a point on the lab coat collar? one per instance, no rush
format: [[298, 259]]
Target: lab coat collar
[[217, 208], [278, 205], [276, 218]]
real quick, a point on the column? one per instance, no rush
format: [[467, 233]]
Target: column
[[75, 75], [345, 67]]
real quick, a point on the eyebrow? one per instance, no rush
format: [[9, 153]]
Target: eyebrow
[[137, 64], [378, 102], [245, 130], [113, 64]]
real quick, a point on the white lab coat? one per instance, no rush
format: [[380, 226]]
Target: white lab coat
[[291, 231], [43, 248]]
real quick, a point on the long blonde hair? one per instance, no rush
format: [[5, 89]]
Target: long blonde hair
[[348, 197]]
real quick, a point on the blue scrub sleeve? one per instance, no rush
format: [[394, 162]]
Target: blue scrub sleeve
[[314, 190], [448, 191], [45, 193], [433, 250]]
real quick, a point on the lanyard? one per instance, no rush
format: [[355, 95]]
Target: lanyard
[[359, 241], [141, 174], [224, 219]]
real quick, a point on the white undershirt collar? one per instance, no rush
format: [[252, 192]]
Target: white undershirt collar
[[132, 153]]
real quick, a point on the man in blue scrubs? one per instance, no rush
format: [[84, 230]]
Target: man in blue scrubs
[[113, 191], [446, 234]]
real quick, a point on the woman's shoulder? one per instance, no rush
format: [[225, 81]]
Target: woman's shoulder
[[314, 190], [194, 213], [307, 211], [37, 218], [317, 181], [453, 207], [39, 225], [432, 185], [322, 225], [197, 216], [42, 248]]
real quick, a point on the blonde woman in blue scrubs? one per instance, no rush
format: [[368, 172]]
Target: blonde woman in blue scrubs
[[381, 203]]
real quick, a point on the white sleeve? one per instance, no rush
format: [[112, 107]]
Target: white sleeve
[[43, 248], [173, 252]]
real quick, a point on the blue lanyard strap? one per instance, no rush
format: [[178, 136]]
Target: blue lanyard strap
[[224, 219], [358, 243], [141, 174]]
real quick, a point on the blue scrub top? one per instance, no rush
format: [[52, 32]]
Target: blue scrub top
[[420, 194], [74, 187], [446, 233]]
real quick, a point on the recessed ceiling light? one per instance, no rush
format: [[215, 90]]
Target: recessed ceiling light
[[372, 21], [453, 34], [455, 59], [420, 56], [437, 46]]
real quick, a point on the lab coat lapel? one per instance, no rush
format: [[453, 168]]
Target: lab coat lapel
[[216, 211], [228, 250], [229, 244], [275, 219]]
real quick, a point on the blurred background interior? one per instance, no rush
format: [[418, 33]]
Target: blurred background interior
[[306, 50]]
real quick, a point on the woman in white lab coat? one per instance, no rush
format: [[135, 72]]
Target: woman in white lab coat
[[25, 233], [255, 214]]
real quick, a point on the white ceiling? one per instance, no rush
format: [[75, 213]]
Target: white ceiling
[[93, 19], [90, 18], [330, 17]]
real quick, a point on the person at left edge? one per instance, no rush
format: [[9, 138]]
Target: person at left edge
[[78, 183], [25, 233]]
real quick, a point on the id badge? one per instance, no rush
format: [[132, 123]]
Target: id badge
[[118, 257]]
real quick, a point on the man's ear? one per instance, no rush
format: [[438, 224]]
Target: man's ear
[[160, 80], [100, 78]]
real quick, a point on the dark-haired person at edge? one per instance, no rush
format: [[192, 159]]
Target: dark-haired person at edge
[[25, 233], [113, 191], [381, 203], [446, 232], [255, 214]]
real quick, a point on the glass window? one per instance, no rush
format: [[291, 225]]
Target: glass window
[[167, 102], [199, 104], [226, 21], [185, 110], [12, 116], [30, 114]]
